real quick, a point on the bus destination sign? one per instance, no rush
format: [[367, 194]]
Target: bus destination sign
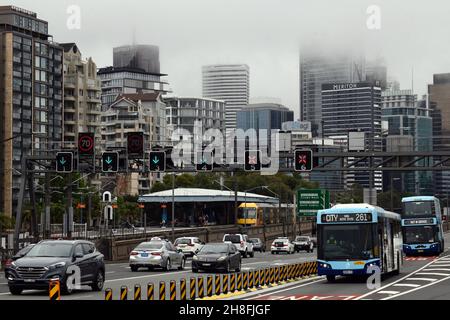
[[350, 217], [411, 222]]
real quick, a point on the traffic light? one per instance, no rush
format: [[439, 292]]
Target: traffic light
[[204, 161], [110, 161], [64, 162], [135, 144], [252, 160], [303, 160], [157, 161], [86, 144]]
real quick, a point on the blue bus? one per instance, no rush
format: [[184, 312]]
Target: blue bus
[[422, 225], [353, 237]]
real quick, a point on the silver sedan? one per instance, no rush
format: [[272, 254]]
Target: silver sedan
[[159, 254]]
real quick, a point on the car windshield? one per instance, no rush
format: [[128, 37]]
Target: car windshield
[[416, 209], [232, 238], [418, 235], [254, 240], [280, 242], [150, 246], [214, 248], [51, 249], [301, 239], [182, 241], [342, 242]]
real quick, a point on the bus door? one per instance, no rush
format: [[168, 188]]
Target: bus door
[[391, 245]]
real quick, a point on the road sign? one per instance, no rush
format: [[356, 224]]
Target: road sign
[[252, 160], [311, 200], [64, 162], [303, 160], [86, 144], [110, 162], [108, 212], [204, 161], [107, 197], [135, 144], [157, 161]]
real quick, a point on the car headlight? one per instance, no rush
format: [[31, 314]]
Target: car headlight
[[194, 258], [57, 265], [13, 265], [221, 258]]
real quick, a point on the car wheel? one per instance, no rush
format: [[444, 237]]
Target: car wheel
[[168, 265], [150, 268], [183, 263], [65, 288], [194, 270], [99, 281], [245, 254], [134, 268], [252, 254], [15, 291], [331, 278], [273, 252]]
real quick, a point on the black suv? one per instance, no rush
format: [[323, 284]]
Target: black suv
[[61, 260]]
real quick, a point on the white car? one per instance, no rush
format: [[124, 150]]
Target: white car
[[282, 245], [189, 245], [241, 242]]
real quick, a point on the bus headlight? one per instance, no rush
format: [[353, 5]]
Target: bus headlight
[[324, 265]]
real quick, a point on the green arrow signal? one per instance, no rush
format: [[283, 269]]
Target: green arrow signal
[[62, 161], [155, 160], [109, 160]]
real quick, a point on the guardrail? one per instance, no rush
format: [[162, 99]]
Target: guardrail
[[218, 285]]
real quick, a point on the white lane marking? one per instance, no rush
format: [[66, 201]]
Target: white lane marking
[[79, 298], [109, 272], [433, 274], [421, 279], [399, 280], [444, 264], [286, 289], [4, 283], [406, 285], [147, 276], [388, 292], [412, 290], [436, 269]]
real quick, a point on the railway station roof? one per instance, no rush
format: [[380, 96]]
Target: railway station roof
[[204, 195]]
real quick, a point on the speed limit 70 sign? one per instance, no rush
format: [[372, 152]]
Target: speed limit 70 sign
[[86, 144]]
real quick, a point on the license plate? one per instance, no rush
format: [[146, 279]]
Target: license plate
[[348, 272], [207, 264], [30, 280], [419, 250], [144, 255]]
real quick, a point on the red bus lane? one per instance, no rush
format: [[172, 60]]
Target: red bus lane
[[308, 297]]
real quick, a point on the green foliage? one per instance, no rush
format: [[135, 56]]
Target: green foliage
[[6, 222]]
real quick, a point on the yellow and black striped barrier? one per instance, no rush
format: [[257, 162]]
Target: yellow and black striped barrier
[[201, 289], [245, 281], [192, 289], [225, 284], [209, 286], [173, 290], [256, 276], [162, 290], [233, 282], [150, 291], [272, 275], [277, 274], [250, 279], [137, 292], [183, 289], [266, 276], [54, 291], [239, 282], [217, 287], [124, 293], [108, 294]]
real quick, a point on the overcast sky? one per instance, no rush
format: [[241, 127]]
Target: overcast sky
[[265, 34]]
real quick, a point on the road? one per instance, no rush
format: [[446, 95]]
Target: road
[[420, 278], [119, 274]]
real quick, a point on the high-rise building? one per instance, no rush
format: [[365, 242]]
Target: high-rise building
[[318, 68], [376, 72], [229, 83], [31, 96], [82, 90], [183, 112], [135, 70], [439, 103], [349, 107], [409, 129]]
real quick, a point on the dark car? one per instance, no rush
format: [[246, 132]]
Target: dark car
[[57, 260], [303, 243], [258, 245], [217, 256], [20, 254]]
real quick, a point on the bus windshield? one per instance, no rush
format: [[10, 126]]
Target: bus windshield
[[350, 241], [419, 234], [247, 213], [416, 209]]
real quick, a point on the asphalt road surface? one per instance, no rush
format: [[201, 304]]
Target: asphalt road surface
[[421, 278], [119, 274]]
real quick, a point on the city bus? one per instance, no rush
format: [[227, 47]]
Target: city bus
[[256, 214], [353, 237], [422, 225]]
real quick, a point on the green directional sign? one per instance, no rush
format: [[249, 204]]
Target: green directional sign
[[309, 201], [110, 162], [64, 162], [157, 161]]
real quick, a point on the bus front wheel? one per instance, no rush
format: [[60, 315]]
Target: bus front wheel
[[331, 278]]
